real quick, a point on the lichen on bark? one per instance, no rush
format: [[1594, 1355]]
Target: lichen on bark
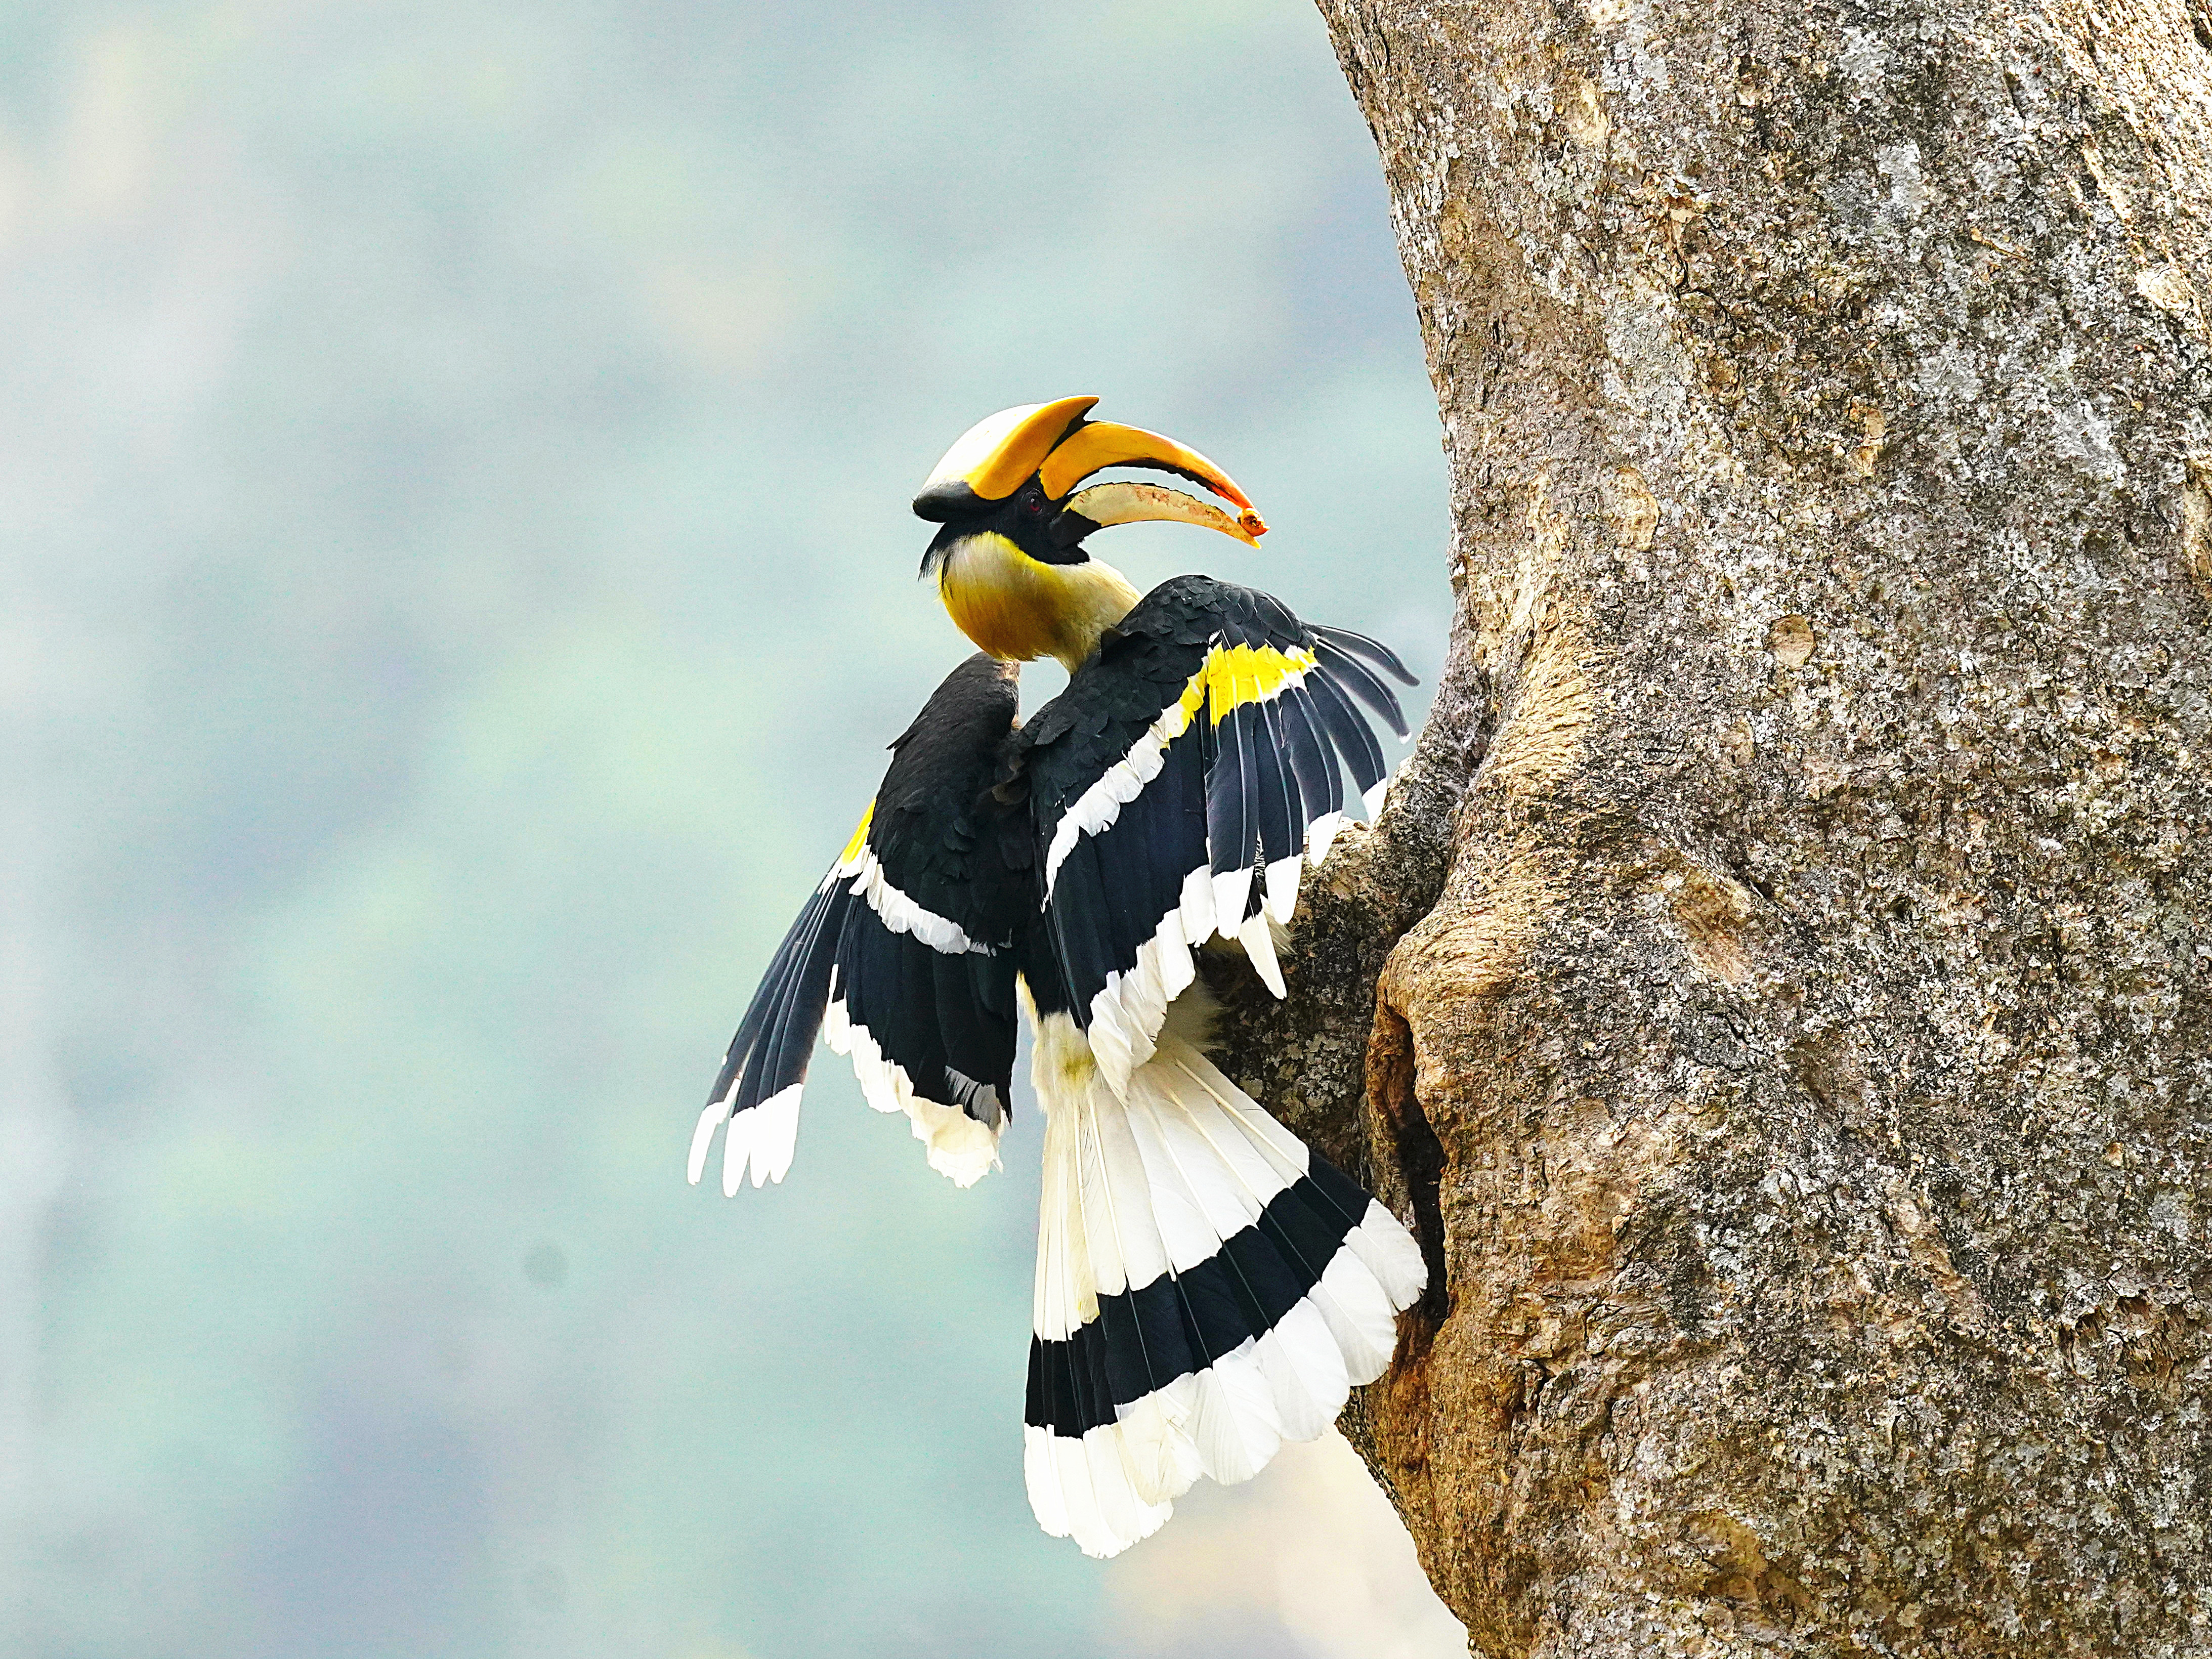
[[1778, 992]]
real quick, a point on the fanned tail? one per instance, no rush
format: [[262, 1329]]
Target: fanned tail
[[1207, 1288]]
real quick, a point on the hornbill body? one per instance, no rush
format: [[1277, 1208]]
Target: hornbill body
[[1207, 1287]]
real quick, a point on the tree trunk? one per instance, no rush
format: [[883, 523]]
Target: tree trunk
[[1780, 980]]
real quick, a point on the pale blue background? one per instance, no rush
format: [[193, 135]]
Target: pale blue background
[[458, 587]]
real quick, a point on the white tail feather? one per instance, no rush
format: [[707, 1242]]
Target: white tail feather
[[1155, 1435], [1097, 1506], [1114, 1197], [1306, 1372], [1200, 1197], [1360, 1317], [1150, 1180], [1189, 1087], [1390, 1253], [1040, 1474], [1051, 1317], [1127, 1516], [1237, 1430], [1086, 1524], [1283, 1149], [1188, 1222]]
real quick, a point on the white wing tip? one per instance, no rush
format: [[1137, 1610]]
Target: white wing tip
[[1230, 889], [1259, 944], [1196, 904], [737, 1146], [702, 1137], [959, 1147], [1320, 836], [777, 1134]]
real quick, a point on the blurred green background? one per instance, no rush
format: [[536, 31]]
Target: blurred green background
[[458, 587]]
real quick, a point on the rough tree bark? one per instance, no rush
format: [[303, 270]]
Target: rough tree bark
[[1778, 988]]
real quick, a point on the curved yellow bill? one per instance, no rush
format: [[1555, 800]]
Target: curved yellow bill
[[1127, 503], [1098, 445], [992, 459]]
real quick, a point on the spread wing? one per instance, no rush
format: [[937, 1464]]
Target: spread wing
[[904, 953], [1177, 786]]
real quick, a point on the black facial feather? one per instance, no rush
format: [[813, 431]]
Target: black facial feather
[[1028, 518]]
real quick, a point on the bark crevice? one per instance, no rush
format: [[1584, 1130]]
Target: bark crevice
[[1408, 1160]]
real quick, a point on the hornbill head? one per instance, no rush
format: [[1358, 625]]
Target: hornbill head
[[1010, 561]]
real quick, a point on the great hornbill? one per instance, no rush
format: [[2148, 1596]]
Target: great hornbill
[[1207, 1287]]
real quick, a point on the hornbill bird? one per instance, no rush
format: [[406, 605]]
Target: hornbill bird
[[1207, 1287]]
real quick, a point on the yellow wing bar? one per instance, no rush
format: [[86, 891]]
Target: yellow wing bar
[[1237, 674], [851, 855]]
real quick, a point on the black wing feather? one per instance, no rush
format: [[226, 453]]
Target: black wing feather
[[1313, 761], [798, 975], [1230, 832], [1375, 651], [1355, 676], [908, 942], [1122, 823], [1361, 752], [1282, 828]]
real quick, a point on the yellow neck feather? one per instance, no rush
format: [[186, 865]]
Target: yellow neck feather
[[1019, 608]]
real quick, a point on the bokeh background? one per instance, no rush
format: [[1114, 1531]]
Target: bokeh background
[[458, 585]]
